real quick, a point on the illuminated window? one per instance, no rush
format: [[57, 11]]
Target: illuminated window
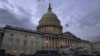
[[49, 28]]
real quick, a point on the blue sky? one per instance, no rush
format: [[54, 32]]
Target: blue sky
[[82, 16]]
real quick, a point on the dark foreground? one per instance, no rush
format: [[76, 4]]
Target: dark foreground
[[47, 53]]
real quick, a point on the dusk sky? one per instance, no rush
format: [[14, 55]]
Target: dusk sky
[[82, 16]]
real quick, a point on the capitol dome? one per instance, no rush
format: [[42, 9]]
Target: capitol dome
[[49, 19]]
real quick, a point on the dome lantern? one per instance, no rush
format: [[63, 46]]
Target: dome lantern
[[49, 8]]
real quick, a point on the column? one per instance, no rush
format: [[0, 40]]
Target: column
[[59, 42], [51, 43], [48, 43], [72, 43], [63, 42], [57, 28], [45, 42], [54, 42], [52, 28], [69, 42], [47, 28], [66, 42]]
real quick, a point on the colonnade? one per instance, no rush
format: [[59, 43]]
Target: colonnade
[[57, 42]]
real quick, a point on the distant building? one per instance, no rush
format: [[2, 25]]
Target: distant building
[[49, 35], [85, 46], [96, 47]]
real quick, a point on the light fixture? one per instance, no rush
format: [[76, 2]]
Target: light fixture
[[46, 41]]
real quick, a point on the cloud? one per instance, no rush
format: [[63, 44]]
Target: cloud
[[91, 18], [7, 17], [12, 14]]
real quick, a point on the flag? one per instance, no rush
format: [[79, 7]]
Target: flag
[[67, 25]]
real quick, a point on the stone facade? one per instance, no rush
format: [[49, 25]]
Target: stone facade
[[18, 40]]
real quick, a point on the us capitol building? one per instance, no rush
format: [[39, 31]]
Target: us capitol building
[[49, 36]]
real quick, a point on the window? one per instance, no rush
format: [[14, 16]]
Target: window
[[17, 41], [25, 36], [50, 28], [37, 37], [10, 40], [37, 43], [32, 43], [12, 34], [32, 37], [25, 42]]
